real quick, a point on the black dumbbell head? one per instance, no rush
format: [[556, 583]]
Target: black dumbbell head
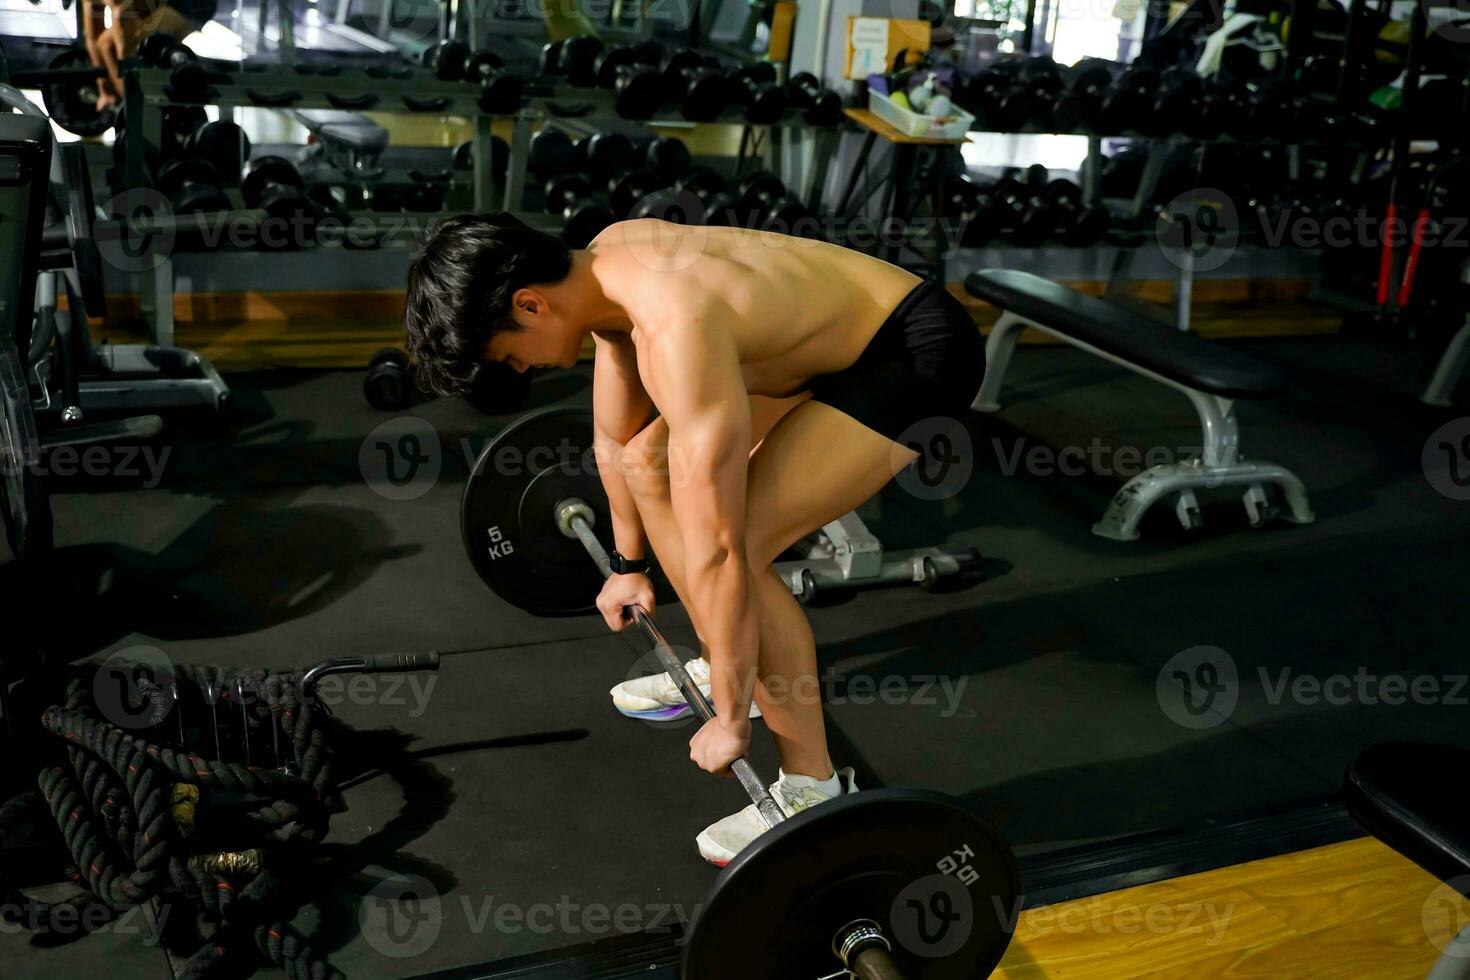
[[579, 59], [640, 91], [388, 385], [265, 173], [702, 182], [449, 59], [549, 62], [551, 153], [222, 143], [609, 60], [585, 220], [565, 189], [679, 207], [192, 185], [707, 93], [609, 154], [759, 189], [627, 190], [667, 157], [156, 49]]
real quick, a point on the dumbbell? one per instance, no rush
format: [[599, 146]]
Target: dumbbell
[[640, 92], [613, 161], [706, 92], [1226, 107], [447, 59], [464, 157], [272, 184], [500, 91], [819, 106], [637, 82], [698, 198], [192, 185], [1078, 107], [605, 66], [604, 155], [570, 195], [667, 157], [548, 63], [754, 87], [677, 64], [1055, 212], [222, 143], [994, 211], [187, 78], [388, 386], [551, 153], [1125, 103], [578, 60], [1035, 86], [1178, 103], [718, 205], [764, 198]]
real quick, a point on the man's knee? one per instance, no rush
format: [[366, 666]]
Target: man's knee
[[762, 545], [644, 460]]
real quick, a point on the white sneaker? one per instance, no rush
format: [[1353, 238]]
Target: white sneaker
[[657, 698], [720, 842]]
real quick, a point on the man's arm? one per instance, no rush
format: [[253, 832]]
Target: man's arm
[[693, 370], [620, 409]]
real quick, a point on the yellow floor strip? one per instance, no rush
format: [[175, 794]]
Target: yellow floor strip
[[1355, 910], [342, 329]]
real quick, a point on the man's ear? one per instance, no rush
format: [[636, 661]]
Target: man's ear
[[528, 301]]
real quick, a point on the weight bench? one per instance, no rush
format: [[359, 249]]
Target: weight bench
[[1212, 377], [1402, 793], [350, 142]]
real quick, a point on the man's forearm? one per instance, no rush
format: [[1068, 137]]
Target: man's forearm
[[724, 606], [627, 526]]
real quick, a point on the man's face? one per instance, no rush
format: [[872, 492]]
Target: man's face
[[542, 340]]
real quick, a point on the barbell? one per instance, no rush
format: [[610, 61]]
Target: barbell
[[884, 884]]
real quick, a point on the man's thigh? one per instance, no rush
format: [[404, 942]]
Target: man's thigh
[[815, 465]]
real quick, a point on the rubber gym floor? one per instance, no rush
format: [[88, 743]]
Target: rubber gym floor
[[507, 779]]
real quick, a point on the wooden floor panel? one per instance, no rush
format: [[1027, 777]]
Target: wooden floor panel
[[1355, 911], [342, 330]]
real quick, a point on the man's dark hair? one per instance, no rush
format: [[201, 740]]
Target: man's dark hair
[[459, 291]]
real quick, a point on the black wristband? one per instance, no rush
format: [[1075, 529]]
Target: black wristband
[[626, 566]]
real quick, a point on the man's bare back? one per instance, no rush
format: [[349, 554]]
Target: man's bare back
[[795, 308]]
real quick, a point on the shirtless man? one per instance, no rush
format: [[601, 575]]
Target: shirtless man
[[781, 370]]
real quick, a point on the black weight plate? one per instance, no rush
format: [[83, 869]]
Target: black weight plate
[[938, 881], [507, 520], [72, 103], [24, 507]]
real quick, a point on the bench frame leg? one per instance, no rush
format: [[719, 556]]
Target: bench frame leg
[[1451, 367], [1454, 963], [998, 348], [1219, 464]]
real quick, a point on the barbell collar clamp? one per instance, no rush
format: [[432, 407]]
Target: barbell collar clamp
[[855, 937]]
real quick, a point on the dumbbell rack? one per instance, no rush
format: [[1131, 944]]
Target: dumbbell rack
[[408, 91], [364, 91]]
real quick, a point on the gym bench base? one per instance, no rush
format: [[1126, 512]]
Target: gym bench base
[[1194, 366]]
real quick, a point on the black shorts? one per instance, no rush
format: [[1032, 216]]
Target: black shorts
[[200, 12], [925, 362]]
